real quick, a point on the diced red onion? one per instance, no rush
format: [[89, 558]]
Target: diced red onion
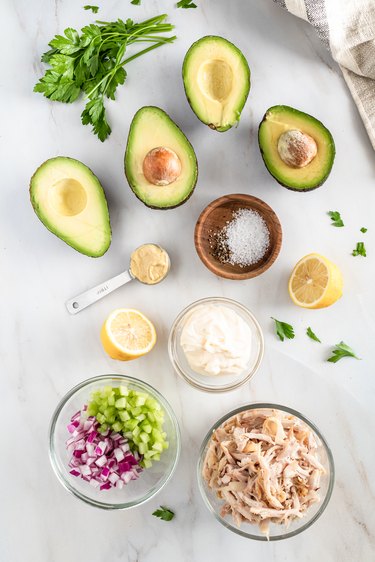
[[102, 459]]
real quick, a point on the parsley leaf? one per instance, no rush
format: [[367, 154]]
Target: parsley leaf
[[92, 63], [164, 513], [186, 4], [311, 335], [341, 350], [94, 9], [283, 330], [363, 229], [135, 2], [336, 218], [359, 250]]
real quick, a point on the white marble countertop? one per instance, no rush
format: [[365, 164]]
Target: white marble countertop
[[44, 351]]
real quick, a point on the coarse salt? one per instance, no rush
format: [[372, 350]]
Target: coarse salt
[[245, 238]]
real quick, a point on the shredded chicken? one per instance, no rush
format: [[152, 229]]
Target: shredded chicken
[[264, 465]]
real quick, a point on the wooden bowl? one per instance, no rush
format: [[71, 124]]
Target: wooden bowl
[[216, 215]]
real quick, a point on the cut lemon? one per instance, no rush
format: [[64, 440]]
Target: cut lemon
[[127, 334], [315, 282]]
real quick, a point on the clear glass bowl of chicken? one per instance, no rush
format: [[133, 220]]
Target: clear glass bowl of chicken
[[265, 472]]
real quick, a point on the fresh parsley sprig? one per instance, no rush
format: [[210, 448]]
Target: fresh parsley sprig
[[341, 350], [164, 513], [311, 335], [283, 330], [94, 9], [186, 4], [336, 218], [359, 250], [92, 63]]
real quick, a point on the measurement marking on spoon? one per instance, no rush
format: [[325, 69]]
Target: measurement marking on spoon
[[102, 289]]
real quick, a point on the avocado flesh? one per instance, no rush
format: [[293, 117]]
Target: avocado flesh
[[281, 118], [69, 200], [151, 128], [216, 78]]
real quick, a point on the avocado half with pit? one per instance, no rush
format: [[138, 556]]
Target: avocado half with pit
[[160, 163], [216, 78], [297, 149], [69, 200]]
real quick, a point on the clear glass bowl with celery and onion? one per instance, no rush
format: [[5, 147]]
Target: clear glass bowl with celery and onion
[[114, 441]]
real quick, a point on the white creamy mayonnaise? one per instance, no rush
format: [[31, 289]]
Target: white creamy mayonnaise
[[216, 340]]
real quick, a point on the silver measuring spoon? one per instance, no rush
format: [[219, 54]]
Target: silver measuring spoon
[[90, 296]]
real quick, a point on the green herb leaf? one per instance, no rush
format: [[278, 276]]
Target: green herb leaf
[[336, 218], [164, 513], [94, 9], [311, 335], [341, 350], [135, 2], [363, 229], [94, 114], [359, 250], [283, 330], [92, 63], [186, 4]]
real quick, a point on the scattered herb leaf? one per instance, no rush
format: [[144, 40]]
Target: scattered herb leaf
[[283, 330], [186, 4], [92, 62], [363, 229], [311, 335], [164, 513], [94, 9], [359, 250], [341, 350], [135, 2], [336, 218]]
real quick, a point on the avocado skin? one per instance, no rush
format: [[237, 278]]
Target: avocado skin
[[48, 224], [244, 60], [128, 178], [301, 190]]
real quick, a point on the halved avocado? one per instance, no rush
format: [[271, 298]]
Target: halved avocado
[[286, 135], [216, 78], [158, 148], [69, 200]]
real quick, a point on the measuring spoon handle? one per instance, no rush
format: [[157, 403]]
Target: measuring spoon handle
[[83, 300]]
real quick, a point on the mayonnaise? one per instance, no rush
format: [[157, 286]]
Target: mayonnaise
[[216, 340]]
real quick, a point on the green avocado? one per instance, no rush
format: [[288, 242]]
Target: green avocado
[[69, 200], [160, 163], [297, 149], [216, 78]]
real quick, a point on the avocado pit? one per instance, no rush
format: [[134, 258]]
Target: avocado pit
[[161, 166], [296, 149]]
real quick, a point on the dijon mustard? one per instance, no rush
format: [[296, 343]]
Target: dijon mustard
[[149, 264]]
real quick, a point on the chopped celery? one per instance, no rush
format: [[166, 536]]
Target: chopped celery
[[124, 416], [123, 390], [138, 416], [117, 426], [120, 403]]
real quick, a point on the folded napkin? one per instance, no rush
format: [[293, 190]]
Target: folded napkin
[[347, 28]]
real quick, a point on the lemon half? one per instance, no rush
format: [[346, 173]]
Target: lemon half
[[315, 282], [127, 334]]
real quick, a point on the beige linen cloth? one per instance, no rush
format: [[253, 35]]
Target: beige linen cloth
[[347, 27]]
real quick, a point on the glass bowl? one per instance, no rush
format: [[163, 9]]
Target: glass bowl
[[276, 531], [151, 480], [218, 383]]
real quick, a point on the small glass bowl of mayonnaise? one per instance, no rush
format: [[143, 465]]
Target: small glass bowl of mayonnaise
[[216, 344]]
